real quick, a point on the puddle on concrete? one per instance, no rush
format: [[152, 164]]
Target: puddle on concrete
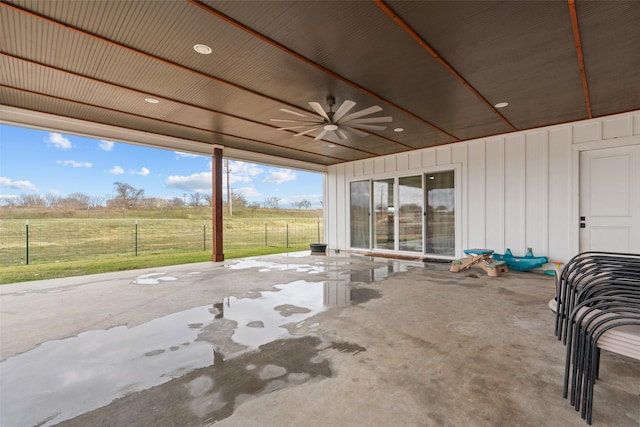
[[63, 379], [152, 279], [211, 394]]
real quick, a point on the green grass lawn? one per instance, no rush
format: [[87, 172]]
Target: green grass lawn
[[23, 273]]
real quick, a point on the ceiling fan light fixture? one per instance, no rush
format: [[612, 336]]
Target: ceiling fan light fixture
[[330, 127]]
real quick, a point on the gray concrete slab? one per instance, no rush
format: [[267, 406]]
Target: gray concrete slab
[[284, 340]]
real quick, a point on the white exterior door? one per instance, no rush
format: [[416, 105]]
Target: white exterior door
[[610, 200]]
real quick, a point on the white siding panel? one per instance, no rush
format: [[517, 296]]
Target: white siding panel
[[342, 201], [358, 169], [379, 165], [331, 228], [443, 155], [459, 156], [415, 160], [536, 176], [514, 192], [390, 164], [429, 158], [494, 179], [636, 124], [617, 128], [585, 132], [476, 195], [368, 167], [402, 162], [349, 170], [559, 193]]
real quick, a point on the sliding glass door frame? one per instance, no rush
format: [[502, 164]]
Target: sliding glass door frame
[[394, 210]]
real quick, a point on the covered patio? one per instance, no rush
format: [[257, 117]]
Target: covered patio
[[298, 339]]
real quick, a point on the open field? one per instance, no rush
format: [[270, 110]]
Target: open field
[[39, 246]]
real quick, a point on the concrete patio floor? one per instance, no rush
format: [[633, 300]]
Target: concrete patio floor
[[294, 340]]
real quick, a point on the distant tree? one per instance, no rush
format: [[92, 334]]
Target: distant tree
[[52, 199], [195, 199], [176, 202], [25, 199], [305, 204], [207, 199], [96, 201], [126, 195], [239, 201], [8, 200], [76, 200], [271, 202]]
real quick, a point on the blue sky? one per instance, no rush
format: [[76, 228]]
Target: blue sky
[[40, 162]]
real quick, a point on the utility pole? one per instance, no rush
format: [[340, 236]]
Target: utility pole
[[229, 201]]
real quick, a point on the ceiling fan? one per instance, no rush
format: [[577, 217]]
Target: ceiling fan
[[339, 122]]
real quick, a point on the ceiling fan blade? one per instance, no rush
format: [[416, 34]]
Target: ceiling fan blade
[[318, 109], [385, 119], [294, 127], [370, 110], [344, 109], [321, 135], [295, 121], [370, 127], [356, 131], [284, 110], [342, 134], [307, 131]]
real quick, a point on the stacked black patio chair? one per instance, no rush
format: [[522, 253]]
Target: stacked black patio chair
[[597, 307]]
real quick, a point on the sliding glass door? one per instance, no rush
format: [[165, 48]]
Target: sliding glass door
[[410, 214], [410, 211], [384, 214], [440, 227]]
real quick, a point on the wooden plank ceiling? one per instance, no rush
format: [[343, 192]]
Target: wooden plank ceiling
[[436, 67]]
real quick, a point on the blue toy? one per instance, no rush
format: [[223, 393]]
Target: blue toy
[[521, 263]]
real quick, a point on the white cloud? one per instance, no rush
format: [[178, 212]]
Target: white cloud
[[244, 169], [58, 141], [142, 171], [17, 185], [54, 192], [280, 176], [106, 145], [116, 170], [247, 192], [74, 163], [200, 182]]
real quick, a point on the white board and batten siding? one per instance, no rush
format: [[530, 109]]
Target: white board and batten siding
[[518, 190]]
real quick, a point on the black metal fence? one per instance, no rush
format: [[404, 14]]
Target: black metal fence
[[51, 240]]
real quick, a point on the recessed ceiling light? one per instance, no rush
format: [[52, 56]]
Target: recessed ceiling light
[[151, 100], [202, 48], [501, 104], [331, 145], [432, 177], [398, 130]]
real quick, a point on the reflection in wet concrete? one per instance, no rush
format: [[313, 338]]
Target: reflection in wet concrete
[[93, 368], [377, 274], [62, 379], [210, 394]]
